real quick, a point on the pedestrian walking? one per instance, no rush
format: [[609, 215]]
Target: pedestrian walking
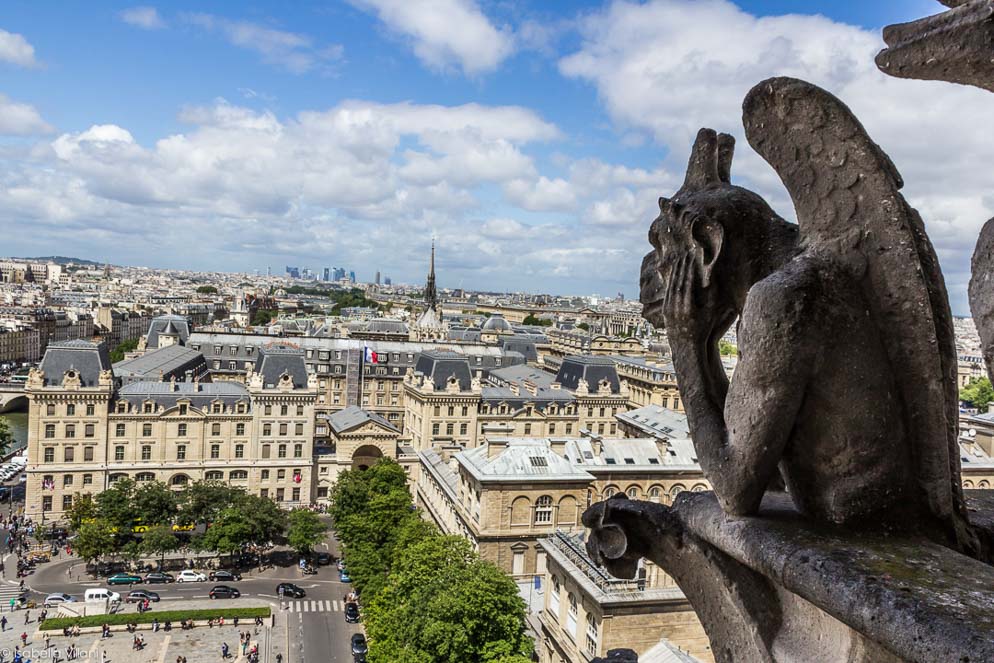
[[3, 623], [279, 658], [224, 650], [48, 642], [27, 616], [24, 639]]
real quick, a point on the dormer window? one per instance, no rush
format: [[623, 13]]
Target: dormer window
[[182, 408]]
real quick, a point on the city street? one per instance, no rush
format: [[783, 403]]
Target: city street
[[317, 630]]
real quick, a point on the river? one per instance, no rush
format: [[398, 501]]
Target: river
[[18, 422]]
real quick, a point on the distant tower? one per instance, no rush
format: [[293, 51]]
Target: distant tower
[[377, 277], [431, 295], [106, 270]]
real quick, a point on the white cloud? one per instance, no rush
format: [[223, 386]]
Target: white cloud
[[19, 119], [297, 53], [669, 67], [15, 49], [146, 18], [446, 33], [541, 195]]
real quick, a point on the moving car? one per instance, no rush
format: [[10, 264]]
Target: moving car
[[55, 600], [124, 579], [141, 595], [322, 559], [99, 595], [359, 644], [224, 592], [343, 576], [188, 575], [290, 590], [225, 576], [352, 613], [159, 577]]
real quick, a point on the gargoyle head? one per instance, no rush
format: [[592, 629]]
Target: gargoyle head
[[623, 531], [721, 228]]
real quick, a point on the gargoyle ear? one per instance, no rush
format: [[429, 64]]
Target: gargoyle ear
[[709, 236], [703, 167], [726, 149], [663, 203]]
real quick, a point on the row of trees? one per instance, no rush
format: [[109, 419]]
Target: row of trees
[[428, 597], [977, 393], [235, 519]]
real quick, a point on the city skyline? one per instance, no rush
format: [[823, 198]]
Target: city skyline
[[533, 144]]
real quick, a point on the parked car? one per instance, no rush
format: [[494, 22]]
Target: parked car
[[140, 595], [359, 644], [341, 564], [290, 590], [352, 613], [99, 595], [224, 592], [343, 576], [159, 577], [124, 579], [188, 575], [224, 576], [322, 559], [55, 600]]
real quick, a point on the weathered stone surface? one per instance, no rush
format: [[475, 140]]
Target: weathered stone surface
[[956, 46], [846, 382], [982, 293], [778, 587]]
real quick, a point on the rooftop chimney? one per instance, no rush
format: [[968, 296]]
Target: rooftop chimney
[[496, 447]]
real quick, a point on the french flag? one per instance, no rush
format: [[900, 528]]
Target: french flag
[[370, 356]]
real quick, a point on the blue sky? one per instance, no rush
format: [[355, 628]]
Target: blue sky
[[531, 137]]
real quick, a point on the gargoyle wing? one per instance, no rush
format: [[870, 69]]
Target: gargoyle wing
[[846, 192]]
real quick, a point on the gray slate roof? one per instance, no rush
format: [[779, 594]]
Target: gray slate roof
[[276, 360], [354, 416], [657, 421], [501, 380], [86, 358], [165, 362], [440, 365], [524, 459], [591, 368], [201, 395], [161, 323]]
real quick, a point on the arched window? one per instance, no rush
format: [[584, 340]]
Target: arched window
[[984, 484], [238, 475], [117, 477], [967, 484], [654, 493], [632, 492], [543, 510], [145, 476], [214, 475], [180, 480], [567, 513], [609, 491], [571, 615], [676, 489], [520, 511], [554, 598], [591, 634], [699, 488]]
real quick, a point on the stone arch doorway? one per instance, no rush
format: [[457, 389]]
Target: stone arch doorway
[[366, 456]]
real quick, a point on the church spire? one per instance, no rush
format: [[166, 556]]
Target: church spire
[[431, 295]]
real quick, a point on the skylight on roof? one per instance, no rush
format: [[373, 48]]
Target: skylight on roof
[[629, 461], [609, 461], [538, 461]]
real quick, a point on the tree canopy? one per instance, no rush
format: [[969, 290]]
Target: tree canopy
[[117, 354], [726, 348], [207, 290], [531, 319], [305, 530], [978, 393], [429, 597]]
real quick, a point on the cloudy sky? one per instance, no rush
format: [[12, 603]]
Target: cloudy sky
[[532, 137]]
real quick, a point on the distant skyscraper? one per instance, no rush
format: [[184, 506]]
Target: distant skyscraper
[[352, 277], [377, 278], [327, 274], [387, 281], [292, 272]]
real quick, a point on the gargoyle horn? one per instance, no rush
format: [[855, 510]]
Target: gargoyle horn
[[710, 160]]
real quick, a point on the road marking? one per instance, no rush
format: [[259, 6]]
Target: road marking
[[165, 648]]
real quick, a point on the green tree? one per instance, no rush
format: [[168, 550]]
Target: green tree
[[978, 393], [263, 316], [83, 509], [531, 319], [726, 348], [159, 540], [154, 504], [305, 530], [231, 532], [6, 436], [202, 501], [117, 354], [114, 505], [207, 290], [94, 539], [583, 325]]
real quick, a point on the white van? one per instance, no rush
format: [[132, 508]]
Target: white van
[[99, 595]]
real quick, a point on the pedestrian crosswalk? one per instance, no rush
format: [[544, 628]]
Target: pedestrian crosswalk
[[316, 606], [7, 592]]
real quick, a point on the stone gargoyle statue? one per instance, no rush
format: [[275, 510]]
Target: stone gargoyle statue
[[956, 46], [845, 384]]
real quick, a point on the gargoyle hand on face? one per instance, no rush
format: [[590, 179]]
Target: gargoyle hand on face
[[622, 532]]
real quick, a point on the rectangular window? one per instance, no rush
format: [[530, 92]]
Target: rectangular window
[[215, 429], [66, 502], [119, 430], [46, 503], [267, 429], [87, 453], [239, 429], [300, 410], [266, 450], [280, 475], [87, 479], [434, 429], [295, 495], [298, 451], [146, 452], [299, 429], [70, 410], [182, 408], [70, 430], [89, 409], [463, 428], [49, 454], [265, 475], [284, 409], [268, 410], [50, 410], [279, 494], [181, 430], [264, 493], [118, 453], [88, 430], [283, 429], [49, 431], [215, 451], [282, 451], [67, 454], [449, 428], [66, 479], [146, 430], [181, 452]]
